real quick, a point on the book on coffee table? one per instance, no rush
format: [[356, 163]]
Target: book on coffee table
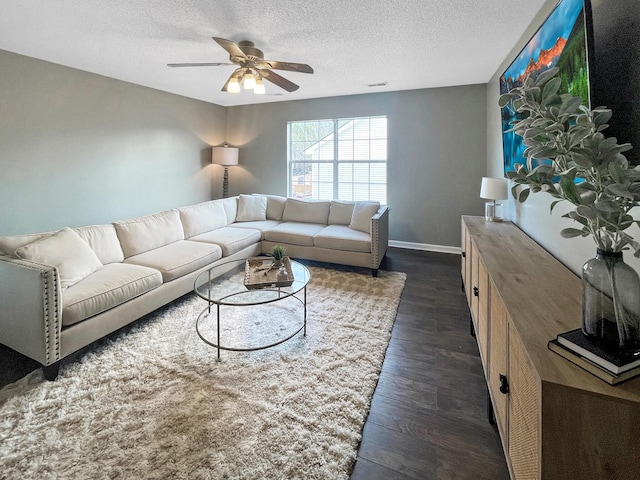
[[591, 367]]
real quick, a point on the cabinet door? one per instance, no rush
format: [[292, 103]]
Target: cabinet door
[[483, 311], [497, 348], [523, 412], [468, 286], [474, 289]]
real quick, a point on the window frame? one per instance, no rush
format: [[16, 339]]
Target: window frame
[[336, 162]]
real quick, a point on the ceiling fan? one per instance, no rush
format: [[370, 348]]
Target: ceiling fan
[[252, 68]]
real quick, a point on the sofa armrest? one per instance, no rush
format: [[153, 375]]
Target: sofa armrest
[[30, 309], [379, 236]]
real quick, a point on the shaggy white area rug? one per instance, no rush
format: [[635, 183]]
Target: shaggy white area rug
[[154, 403]]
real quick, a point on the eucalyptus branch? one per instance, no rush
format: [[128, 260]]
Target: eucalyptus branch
[[578, 163]]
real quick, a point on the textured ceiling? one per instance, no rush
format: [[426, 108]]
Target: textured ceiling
[[350, 44]]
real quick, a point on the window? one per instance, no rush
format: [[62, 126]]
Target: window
[[353, 167]]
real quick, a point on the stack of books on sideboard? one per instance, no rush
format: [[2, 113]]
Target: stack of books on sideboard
[[612, 368]]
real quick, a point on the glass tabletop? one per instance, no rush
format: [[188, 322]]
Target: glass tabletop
[[224, 284]]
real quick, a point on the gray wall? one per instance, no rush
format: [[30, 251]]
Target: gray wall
[[533, 217], [437, 140], [78, 148]]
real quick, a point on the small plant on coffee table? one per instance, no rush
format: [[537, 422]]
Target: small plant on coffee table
[[278, 252]]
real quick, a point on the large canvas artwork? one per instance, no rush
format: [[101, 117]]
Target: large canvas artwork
[[560, 42]]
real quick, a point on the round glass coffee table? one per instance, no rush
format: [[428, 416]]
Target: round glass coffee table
[[254, 318]]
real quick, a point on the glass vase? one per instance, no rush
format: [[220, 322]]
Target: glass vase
[[611, 303]]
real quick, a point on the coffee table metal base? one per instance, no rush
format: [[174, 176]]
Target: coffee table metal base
[[218, 346]]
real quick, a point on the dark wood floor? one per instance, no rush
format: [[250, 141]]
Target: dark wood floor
[[428, 414]]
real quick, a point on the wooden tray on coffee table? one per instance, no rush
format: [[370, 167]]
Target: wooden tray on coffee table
[[260, 273]]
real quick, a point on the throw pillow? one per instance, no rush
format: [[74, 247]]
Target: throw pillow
[[251, 208], [361, 217], [275, 206], [340, 213], [66, 251]]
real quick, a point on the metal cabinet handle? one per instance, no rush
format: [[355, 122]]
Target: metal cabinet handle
[[504, 384], [464, 254], [476, 292]]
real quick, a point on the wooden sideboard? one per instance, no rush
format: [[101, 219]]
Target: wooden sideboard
[[556, 421]]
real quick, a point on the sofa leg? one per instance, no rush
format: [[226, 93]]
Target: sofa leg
[[374, 272], [51, 371]]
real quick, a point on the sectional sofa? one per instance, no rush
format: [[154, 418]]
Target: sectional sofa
[[61, 291]]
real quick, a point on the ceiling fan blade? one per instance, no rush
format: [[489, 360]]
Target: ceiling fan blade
[[278, 80], [292, 67], [232, 48], [197, 64]]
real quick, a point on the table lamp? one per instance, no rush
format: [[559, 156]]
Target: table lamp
[[494, 189]]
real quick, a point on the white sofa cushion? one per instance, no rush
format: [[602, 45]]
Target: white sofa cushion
[[230, 239], [340, 212], [178, 258], [305, 211], [104, 241], [275, 206], [251, 208], [139, 235], [202, 217], [66, 251], [231, 207], [361, 217], [341, 237], [106, 288], [294, 233]]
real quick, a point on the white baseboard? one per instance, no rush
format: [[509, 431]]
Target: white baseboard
[[425, 247]]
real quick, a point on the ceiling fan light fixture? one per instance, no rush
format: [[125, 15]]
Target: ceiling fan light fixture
[[233, 85], [259, 88], [249, 81]]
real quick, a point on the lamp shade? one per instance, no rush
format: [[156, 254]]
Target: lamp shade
[[224, 155], [494, 188]]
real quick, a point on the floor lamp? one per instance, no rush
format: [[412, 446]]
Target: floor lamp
[[226, 156]]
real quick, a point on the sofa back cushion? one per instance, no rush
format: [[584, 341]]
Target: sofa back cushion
[[103, 240], [139, 235], [306, 211], [251, 208], [10, 243], [202, 217], [275, 206], [340, 213], [65, 250]]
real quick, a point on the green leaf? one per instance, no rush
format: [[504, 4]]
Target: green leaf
[[553, 204], [504, 99], [569, 191], [602, 117], [551, 88], [524, 194], [619, 190], [571, 105], [607, 206], [573, 232], [545, 76]]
